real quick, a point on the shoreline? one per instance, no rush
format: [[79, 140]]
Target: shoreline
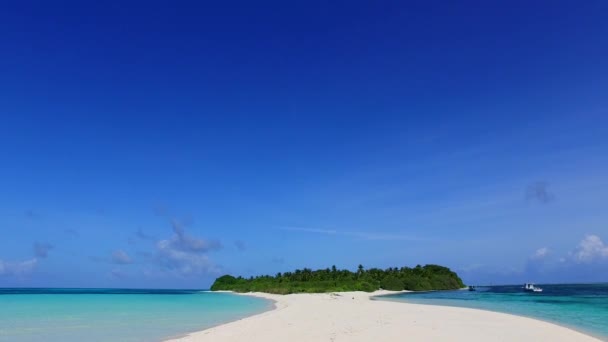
[[559, 324], [354, 316]]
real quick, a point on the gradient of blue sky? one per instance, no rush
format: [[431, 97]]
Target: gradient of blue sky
[[158, 145]]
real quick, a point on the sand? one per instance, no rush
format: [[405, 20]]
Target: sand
[[353, 317]]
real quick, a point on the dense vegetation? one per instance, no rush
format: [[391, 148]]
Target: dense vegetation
[[419, 278]]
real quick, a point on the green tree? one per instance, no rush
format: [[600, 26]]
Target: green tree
[[392, 283], [420, 278]]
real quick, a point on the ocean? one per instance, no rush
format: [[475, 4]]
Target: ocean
[[116, 315], [583, 307]]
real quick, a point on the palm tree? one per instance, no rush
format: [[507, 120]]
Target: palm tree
[[359, 271]]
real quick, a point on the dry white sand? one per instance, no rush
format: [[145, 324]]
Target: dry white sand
[[353, 317]]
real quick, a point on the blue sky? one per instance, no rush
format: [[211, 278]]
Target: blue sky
[[161, 145]]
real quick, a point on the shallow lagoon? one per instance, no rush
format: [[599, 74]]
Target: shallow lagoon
[[583, 307], [116, 315]]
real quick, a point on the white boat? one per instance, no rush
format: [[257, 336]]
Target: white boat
[[528, 287]]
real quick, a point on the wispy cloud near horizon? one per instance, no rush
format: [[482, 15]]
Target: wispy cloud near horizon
[[357, 234], [588, 261], [17, 268]]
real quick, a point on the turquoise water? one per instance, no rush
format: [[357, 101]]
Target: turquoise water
[[116, 315], [583, 307]]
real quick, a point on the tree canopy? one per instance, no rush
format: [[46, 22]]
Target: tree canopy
[[419, 278]]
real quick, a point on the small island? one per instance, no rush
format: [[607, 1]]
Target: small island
[[419, 278]]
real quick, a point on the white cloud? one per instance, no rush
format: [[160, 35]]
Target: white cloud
[[184, 262], [186, 255], [590, 249], [586, 262], [121, 257], [17, 268], [187, 243], [541, 253]]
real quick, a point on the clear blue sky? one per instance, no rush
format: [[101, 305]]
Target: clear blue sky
[[157, 144]]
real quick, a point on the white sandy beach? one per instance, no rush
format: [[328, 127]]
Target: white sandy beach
[[353, 317]]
